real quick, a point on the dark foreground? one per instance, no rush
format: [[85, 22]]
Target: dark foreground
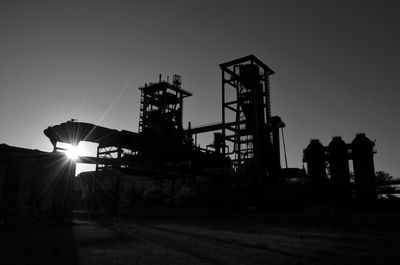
[[340, 237]]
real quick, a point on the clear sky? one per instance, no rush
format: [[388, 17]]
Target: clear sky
[[336, 65]]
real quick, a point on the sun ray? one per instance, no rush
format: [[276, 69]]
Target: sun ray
[[116, 98]]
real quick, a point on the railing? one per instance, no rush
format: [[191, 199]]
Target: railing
[[204, 125]]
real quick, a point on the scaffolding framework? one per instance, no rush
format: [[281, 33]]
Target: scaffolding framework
[[161, 104], [248, 132]]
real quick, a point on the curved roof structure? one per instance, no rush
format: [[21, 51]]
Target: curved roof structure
[[74, 132]]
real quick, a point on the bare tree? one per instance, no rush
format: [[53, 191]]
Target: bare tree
[[383, 184]]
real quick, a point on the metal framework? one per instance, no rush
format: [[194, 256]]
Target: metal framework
[[247, 137], [245, 118], [162, 104]]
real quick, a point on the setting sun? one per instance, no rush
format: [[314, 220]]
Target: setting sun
[[74, 152]]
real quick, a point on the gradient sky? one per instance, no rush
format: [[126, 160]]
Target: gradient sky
[[336, 65]]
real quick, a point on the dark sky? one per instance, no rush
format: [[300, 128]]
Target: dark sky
[[335, 63]]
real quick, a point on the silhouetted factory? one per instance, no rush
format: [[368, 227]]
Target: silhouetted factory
[[334, 159], [240, 168]]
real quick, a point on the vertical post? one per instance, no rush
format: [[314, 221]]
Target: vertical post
[[284, 147], [54, 145], [267, 95], [276, 153], [118, 182], [97, 154], [238, 135], [223, 112]]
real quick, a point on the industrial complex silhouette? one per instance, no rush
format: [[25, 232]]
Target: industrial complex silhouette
[[241, 168]]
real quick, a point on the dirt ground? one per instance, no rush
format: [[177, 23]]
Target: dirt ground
[[327, 237]]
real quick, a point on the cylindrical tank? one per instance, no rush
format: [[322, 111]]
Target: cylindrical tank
[[275, 124], [338, 159], [364, 170], [250, 75], [314, 156]]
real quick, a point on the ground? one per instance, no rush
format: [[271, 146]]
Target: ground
[[295, 237]]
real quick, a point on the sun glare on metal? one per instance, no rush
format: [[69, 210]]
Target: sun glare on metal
[[73, 153]]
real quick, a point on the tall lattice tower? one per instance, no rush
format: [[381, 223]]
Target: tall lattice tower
[[161, 104], [246, 112]]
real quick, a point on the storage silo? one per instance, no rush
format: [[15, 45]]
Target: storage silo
[[338, 159], [250, 75], [364, 169], [314, 156]]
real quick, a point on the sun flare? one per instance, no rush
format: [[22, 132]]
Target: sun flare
[[74, 152]]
